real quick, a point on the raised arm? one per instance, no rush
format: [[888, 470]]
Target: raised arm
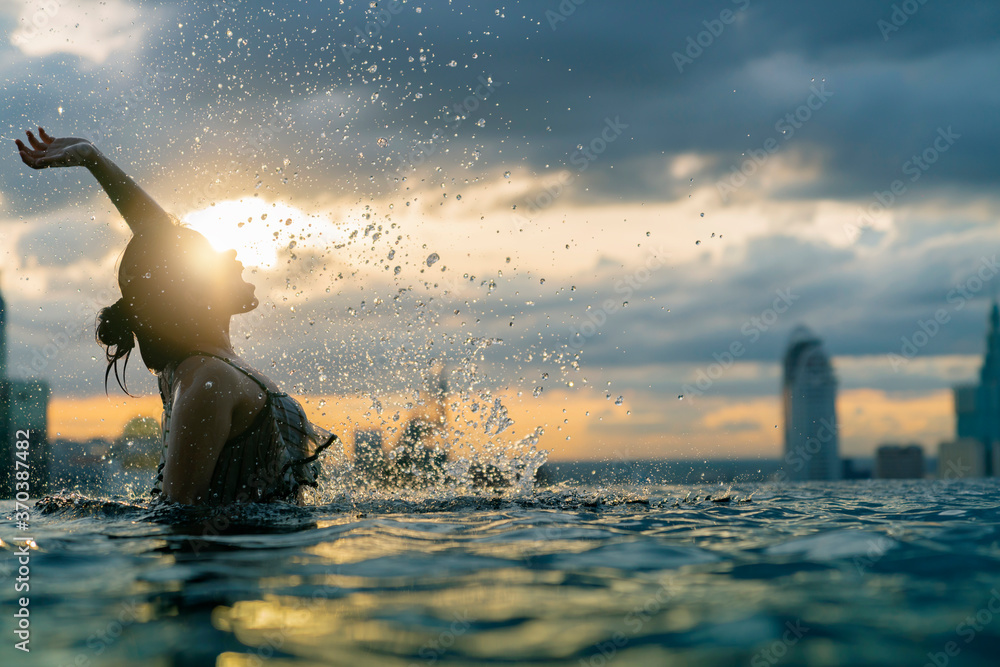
[[140, 211]]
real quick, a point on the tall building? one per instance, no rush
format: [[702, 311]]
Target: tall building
[[810, 406], [977, 406], [23, 417], [899, 462], [965, 457]]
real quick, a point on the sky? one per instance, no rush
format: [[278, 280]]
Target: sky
[[564, 202]]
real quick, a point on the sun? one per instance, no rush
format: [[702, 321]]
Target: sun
[[255, 228]]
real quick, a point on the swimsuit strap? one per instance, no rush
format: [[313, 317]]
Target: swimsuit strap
[[237, 367]]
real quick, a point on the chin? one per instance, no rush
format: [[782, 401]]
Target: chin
[[251, 302]]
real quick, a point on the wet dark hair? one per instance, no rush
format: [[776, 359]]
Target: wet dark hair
[[114, 330], [163, 262]]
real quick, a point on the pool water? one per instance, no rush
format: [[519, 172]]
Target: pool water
[[849, 573]]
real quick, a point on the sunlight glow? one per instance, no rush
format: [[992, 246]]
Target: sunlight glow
[[255, 228]]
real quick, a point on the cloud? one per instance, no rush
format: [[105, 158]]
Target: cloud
[[90, 29]]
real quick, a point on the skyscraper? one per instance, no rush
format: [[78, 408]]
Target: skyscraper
[[23, 416], [977, 406], [810, 398]]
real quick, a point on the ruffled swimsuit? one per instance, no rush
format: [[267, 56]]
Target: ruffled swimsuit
[[272, 460]]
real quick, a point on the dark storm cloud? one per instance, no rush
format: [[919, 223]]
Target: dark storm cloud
[[558, 80]]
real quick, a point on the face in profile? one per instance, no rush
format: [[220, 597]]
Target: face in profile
[[179, 283], [212, 277]]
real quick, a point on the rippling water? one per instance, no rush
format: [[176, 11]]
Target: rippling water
[[874, 573]]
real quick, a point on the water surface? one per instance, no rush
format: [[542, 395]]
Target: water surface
[[849, 573]]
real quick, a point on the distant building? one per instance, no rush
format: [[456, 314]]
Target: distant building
[[977, 406], [809, 398], [23, 417], [899, 462], [966, 457]]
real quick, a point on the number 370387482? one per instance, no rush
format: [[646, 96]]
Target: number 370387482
[[22, 483]]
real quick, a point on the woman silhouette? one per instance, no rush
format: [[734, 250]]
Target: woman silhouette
[[229, 434]]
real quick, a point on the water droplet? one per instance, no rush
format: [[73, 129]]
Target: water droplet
[[432, 259], [382, 142], [619, 400], [481, 122], [506, 174], [208, 385], [697, 242], [703, 215], [537, 392], [680, 397]]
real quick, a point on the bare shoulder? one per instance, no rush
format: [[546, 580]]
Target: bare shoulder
[[200, 373]]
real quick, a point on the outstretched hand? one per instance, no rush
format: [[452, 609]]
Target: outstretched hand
[[46, 151]]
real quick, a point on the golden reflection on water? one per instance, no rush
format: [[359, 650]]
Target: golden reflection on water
[[530, 612]]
